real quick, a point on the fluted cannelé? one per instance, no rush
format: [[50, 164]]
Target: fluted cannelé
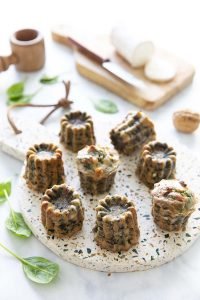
[[157, 161], [97, 168], [173, 203], [76, 131], [116, 226], [132, 133], [61, 211], [44, 167]]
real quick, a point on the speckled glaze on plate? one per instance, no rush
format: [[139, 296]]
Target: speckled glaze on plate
[[155, 248]]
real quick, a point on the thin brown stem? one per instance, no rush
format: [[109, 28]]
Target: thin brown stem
[[64, 102]]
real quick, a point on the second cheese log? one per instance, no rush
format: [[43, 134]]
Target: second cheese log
[[136, 51]]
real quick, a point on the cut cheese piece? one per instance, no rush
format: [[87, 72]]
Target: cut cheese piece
[[160, 70], [135, 50]]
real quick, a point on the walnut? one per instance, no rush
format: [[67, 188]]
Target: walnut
[[186, 120]]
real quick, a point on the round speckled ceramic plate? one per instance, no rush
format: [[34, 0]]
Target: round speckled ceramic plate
[[155, 248]]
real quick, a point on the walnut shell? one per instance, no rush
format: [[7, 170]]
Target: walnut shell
[[186, 120]]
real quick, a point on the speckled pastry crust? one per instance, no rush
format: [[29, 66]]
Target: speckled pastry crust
[[97, 168], [44, 167], [116, 226], [62, 213], [132, 133], [76, 131], [173, 203], [157, 161]]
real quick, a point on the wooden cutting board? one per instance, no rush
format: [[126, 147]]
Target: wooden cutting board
[[154, 94]]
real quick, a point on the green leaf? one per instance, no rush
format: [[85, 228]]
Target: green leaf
[[23, 99], [15, 91], [16, 224], [49, 79], [39, 269], [4, 186], [106, 106]]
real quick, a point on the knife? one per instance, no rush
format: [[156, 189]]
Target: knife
[[113, 68]]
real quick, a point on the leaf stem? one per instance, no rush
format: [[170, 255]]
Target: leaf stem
[[11, 209], [12, 253]]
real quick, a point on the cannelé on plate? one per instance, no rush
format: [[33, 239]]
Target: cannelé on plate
[[132, 133], [172, 204], [97, 167], [43, 167], [76, 131], [116, 226], [62, 212], [157, 161]]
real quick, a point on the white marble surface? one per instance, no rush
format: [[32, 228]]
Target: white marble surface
[[172, 24]]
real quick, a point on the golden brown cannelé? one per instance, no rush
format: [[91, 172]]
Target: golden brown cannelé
[[157, 161], [44, 167], [97, 168], [132, 133], [76, 131], [116, 226], [172, 204], [62, 213]]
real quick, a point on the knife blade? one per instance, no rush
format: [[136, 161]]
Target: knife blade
[[109, 66]]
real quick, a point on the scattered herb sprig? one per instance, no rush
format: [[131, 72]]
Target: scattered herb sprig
[[106, 106], [36, 268], [15, 222], [45, 79], [4, 186], [15, 94]]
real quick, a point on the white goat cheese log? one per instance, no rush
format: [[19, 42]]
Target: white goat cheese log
[[136, 51]]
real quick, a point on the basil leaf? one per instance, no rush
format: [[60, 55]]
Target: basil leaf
[[16, 224], [39, 269], [15, 91], [106, 106], [49, 79], [7, 187]]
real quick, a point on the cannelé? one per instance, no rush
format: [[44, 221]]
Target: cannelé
[[44, 167], [97, 167], [132, 133], [76, 131], [116, 226], [62, 212], [157, 161], [172, 204]]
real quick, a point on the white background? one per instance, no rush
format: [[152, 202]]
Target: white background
[[173, 25]]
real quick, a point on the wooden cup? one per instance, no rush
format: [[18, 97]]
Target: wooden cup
[[28, 51]]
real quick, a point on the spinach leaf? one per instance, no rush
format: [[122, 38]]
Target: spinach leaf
[[4, 186], [37, 269], [15, 94], [45, 79], [106, 106], [23, 99], [15, 91], [16, 224]]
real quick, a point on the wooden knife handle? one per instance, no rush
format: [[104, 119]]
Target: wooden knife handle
[[60, 36]]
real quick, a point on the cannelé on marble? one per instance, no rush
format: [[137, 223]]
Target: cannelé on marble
[[76, 131], [132, 133], [116, 226], [62, 212], [157, 161], [97, 167], [172, 204], [43, 167]]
